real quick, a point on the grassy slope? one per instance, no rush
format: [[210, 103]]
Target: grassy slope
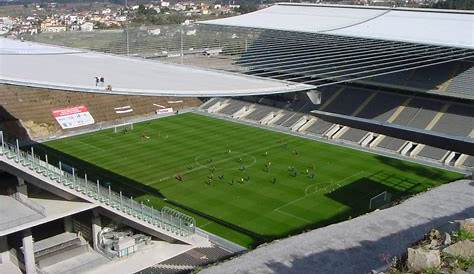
[[255, 211]]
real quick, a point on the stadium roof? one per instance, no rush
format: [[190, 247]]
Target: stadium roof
[[423, 26], [327, 44], [38, 65]]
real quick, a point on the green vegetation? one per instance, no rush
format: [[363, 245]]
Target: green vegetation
[[432, 271], [454, 4], [463, 235], [152, 17], [243, 183], [456, 262]]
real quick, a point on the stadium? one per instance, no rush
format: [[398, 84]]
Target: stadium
[[300, 138]]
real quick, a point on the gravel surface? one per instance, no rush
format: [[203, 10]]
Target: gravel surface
[[362, 244]]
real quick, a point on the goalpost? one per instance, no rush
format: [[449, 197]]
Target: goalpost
[[123, 128], [379, 200]]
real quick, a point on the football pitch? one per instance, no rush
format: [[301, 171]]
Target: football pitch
[[243, 183]]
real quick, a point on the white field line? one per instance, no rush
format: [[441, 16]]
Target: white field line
[[206, 224], [91, 145], [201, 166], [294, 216], [338, 183]]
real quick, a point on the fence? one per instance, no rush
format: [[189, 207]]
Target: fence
[[151, 41], [168, 219]]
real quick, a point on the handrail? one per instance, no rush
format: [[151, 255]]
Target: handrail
[[166, 218]]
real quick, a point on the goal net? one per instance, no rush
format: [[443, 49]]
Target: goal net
[[123, 128], [379, 200]]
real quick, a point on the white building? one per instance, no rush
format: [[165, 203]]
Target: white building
[[191, 32], [87, 26], [154, 31], [54, 28], [106, 11], [121, 18]]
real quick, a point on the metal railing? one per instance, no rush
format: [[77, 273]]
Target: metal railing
[[166, 218]]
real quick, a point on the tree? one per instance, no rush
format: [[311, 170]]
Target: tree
[[454, 4], [247, 7]]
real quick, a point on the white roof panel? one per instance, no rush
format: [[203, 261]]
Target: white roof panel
[[38, 65], [441, 27]]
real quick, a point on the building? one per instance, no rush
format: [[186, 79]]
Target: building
[[53, 28], [87, 26]]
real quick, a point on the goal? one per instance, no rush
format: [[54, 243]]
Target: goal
[[123, 128], [379, 200]]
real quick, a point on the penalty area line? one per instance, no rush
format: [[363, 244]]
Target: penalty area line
[[316, 191], [294, 216]]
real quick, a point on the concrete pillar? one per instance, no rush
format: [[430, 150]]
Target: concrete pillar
[[314, 96], [96, 228], [21, 188], [68, 224], [4, 252], [28, 252]]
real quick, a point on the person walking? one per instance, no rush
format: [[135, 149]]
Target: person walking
[[96, 81]]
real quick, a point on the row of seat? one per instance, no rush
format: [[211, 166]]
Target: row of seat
[[442, 116], [455, 77]]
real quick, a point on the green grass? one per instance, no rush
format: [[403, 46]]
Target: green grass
[[462, 235], [307, 184]]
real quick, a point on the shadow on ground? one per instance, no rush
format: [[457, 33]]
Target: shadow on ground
[[366, 187], [363, 258]]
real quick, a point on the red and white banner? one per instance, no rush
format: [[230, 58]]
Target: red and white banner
[[73, 117], [164, 111]]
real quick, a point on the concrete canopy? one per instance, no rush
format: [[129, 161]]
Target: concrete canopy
[[38, 65], [423, 26], [324, 45]]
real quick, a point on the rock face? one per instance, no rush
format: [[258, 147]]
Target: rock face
[[463, 249], [447, 239], [468, 225], [420, 259]]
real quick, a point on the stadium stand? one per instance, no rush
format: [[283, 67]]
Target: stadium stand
[[319, 127], [259, 113], [453, 78], [462, 82], [188, 260], [292, 119], [380, 108], [418, 113], [233, 108], [413, 111], [32, 108], [469, 162], [455, 121]]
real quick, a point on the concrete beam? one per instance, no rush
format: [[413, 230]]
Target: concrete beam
[[28, 252], [35, 181], [96, 228], [4, 251]]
